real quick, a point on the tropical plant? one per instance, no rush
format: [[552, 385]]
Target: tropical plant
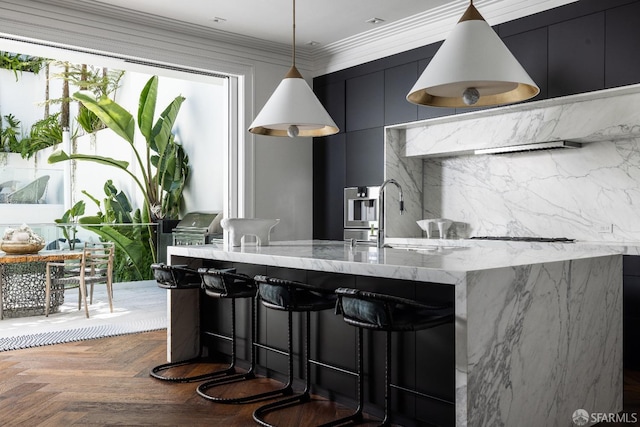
[[68, 222], [117, 222], [164, 169], [99, 81], [44, 133], [163, 165], [18, 63], [9, 133]]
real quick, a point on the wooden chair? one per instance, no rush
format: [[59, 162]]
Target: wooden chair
[[95, 266]]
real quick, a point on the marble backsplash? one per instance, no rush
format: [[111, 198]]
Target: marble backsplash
[[591, 193]]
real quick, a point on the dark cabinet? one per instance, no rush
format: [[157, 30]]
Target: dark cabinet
[[398, 81], [365, 157], [631, 312], [622, 60], [332, 96], [576, 55], [332, 341], [365, 101], [329, 175], [530, 49]]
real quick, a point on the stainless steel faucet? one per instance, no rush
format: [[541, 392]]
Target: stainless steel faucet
[[381, 216]]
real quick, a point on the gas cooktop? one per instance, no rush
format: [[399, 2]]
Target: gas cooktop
[[525, 239]]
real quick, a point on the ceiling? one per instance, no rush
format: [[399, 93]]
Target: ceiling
[[320, 21]]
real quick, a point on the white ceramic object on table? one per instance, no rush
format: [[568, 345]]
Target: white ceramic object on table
[[425, 224], [240, 227], [443, 225]]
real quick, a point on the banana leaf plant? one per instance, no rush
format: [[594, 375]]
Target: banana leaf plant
[[163, 165]]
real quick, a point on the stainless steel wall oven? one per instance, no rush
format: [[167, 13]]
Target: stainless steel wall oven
[[360, 212]]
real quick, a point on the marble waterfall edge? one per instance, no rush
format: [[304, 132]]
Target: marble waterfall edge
[[527, 364]]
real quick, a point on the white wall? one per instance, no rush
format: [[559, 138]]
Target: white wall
[[22, 98], [283, 176]]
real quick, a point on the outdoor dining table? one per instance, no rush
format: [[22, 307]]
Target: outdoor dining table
[[23, 282]]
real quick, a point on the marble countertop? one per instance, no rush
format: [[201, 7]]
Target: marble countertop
[[625, 248], [438, 261]]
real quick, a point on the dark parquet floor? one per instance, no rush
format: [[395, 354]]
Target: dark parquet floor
[[105, 382]]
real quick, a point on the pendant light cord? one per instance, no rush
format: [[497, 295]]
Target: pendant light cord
[[294, 33]]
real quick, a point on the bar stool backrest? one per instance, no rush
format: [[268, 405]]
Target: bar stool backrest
[[175, 276], [389, 313], [226, 283], [288, 295]]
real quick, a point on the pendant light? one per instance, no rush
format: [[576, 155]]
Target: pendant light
[[473, 67], [293, 109]]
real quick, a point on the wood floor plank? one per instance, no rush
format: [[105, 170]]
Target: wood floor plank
[[106, 382]]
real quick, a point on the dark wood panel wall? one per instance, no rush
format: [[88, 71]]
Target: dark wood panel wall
[[580, 47]]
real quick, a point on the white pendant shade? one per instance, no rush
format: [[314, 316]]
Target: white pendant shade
[[472, 57], [293, 103]]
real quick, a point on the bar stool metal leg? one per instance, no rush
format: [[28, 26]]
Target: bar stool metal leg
[[357, 416], [259, 413], [222, 284], [158, 371], [203, 388], [387, 379]]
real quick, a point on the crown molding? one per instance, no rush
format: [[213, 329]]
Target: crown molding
[[112, 27], [418, 30]]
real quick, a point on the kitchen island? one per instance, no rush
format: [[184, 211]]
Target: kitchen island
[[538, 328]]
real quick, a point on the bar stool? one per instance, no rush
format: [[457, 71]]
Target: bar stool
[[380, 312], [216, 284], [283, 295], [290, 296]]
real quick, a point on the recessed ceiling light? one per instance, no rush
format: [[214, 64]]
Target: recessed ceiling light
[[312, 43], [218, 20], [374, 21]]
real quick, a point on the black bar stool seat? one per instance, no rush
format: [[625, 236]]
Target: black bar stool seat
[[381, 312], [216, 284]]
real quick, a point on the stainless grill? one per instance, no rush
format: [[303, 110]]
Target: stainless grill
[[198, 228]]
